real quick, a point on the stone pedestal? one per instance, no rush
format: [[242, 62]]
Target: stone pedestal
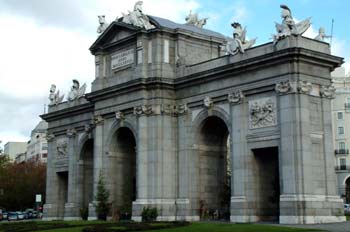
[[50, 212], [71, 212]]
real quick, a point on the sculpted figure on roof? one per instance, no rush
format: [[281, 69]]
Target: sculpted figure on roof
[[54, 96], [239, 43], [103, 25], [192, 19], [76, 91], [137, 18], [288, 26], [322, 35]]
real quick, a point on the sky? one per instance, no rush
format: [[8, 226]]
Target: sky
[[44, 42]]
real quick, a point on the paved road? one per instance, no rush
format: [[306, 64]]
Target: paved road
[[332, 227]]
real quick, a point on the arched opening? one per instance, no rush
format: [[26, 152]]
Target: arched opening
[[87, 172], [214, 190], [123, 172], [347, 190]]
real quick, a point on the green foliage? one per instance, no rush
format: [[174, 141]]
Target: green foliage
[[149, 214], [93, 226], [102, 206], [19, 183], [84, 213]]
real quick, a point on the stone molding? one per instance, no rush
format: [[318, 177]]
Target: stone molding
[[305, 87], [236, 97], [167, 109], [262, 113], [143, 109]]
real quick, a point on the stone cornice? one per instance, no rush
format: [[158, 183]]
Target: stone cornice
[[130, 86], [68, 112], [207, 73]]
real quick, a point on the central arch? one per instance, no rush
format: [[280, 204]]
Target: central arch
[[122, 153], [214, 174]]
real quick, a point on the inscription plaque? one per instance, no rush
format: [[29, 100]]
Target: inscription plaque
[[123, 58]]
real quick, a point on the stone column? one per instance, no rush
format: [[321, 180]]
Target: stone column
[[185, 208], [239, 115], [156, 149], [98, 161], [50, 207], [306, 157], [71, 208]]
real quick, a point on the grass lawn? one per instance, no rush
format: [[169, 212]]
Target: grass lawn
[[226, 227], [193, 227]]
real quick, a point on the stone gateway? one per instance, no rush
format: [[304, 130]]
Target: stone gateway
[[173, 123]]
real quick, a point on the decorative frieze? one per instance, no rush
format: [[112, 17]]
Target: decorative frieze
[[173, 109], [284, 87], [181, 108], [304, 87], [236, 97], [160, 109], [61, 146], [262, 113], [143, 109], [327, 91], [208, 102]]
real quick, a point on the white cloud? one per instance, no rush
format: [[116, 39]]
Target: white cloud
[[48, 42], [240, 12], [36, 57]]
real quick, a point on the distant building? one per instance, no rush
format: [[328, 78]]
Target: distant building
[[21, 157], [37, 146], [12, 149], [341, 131]]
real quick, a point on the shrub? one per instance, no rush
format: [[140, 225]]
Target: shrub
[[102, 206], [84, 213], [149, 214]]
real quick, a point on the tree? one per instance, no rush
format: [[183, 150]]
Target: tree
[[20, 183], [102, 206]]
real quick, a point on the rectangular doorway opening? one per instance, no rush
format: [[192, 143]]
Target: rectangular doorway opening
[[62, 178], [267, 184]]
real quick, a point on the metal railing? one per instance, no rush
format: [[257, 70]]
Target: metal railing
[[341, 151], [342, 167]]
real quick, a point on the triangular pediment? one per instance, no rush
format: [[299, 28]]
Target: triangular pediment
[[115, 33]]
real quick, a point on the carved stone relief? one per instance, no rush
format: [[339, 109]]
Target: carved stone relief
[[304, 87], [208, 102], [97, 119], [262, 113], [71, 132], [119, 116], [236, 97], [327, 91], [160, 109], [283, 87], [62, 150]]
